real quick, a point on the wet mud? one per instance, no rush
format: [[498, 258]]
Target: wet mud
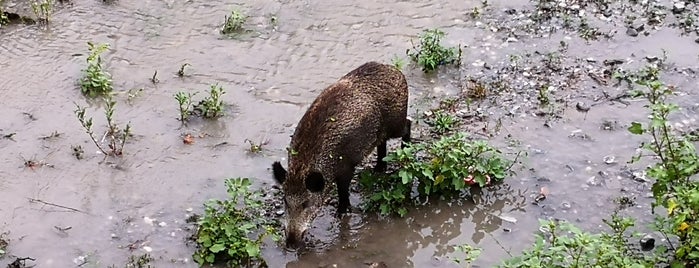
[[64, 212]]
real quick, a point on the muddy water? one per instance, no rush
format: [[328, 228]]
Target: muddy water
[[270, 76]]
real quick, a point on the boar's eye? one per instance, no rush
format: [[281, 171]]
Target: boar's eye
[[304, 204]]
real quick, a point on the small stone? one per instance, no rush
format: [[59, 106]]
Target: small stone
[[280, 212], [148, 220], [609, 160], [162, 224], [678, 7], [594, 181], [565, 205], [647, 242], [582, 107], [189, 209], [147, 248], [512, 40], [697, 41], [506, 230], [651, 58], [639, 176], [631, 32]]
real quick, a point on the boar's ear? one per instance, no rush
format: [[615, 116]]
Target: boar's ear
[[315, 182], [279, 172]]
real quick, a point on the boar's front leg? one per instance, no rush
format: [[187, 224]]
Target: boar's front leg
[[343, 184], [380, 154]]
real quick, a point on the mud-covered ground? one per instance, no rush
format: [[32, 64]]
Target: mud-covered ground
[[536, 77]]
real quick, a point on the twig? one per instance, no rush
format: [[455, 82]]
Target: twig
[[55, 205]]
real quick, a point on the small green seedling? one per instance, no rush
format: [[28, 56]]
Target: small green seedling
[[398, 62], [42, 9], [234, 22], [256, 147], [185, 102], [115, 135], [430, 53], [95, 81]]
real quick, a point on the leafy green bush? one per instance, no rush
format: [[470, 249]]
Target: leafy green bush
[[95, 81], [444, 167], [430, 53], [211, 106], [563, 245], [674, 188], [232, 230], [233, 23]]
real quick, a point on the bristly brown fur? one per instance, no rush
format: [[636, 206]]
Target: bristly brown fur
[[350, 118]]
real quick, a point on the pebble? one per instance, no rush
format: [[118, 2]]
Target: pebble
[[678, 7], [147, 248], [594, 181], [280, 212], [565, 205], [609, 160], [631, 32], [582, 107]]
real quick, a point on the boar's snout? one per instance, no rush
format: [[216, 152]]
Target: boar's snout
[[294, 239]]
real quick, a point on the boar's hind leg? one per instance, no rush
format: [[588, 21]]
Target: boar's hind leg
[[380, 154], [406, 133]]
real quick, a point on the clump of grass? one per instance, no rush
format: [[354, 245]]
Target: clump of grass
[[212, 105], [443, 167], [42, 9], [233, 22], [443, 122], [232, 230], [398, 62], [430, 54], [95, 81], [116, 137]]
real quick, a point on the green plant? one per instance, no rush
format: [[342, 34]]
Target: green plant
[[443, 168], [185, 102], [95, 81], [3, 17], [42, 9], [256, 147], [4, 242], [563, 245], [543, 97], [674, 188], [398, 62], [443, 122], [116, 136], [471, 254], [233, 23], [232, 230], [211, 106], [430, 53]]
